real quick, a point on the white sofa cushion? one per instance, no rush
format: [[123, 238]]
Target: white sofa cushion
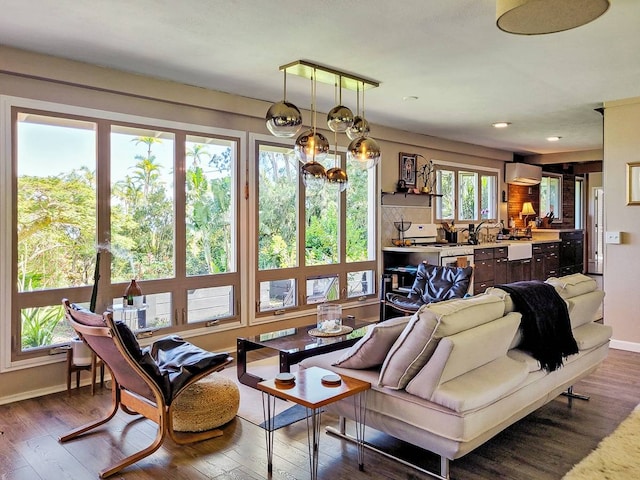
[[483, 386], [585, 308], [463, 352], [525, 357], [371, 350], [573, 285], [592, 335], [429, 324], [509, 307]]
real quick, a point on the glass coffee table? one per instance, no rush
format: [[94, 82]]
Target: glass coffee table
[[294, 345]]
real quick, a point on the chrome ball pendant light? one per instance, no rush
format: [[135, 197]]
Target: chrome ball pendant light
[[336, 176], [283, 118], [311, 146], [359, 128], [313, 174], [339, 118], [364, 152]]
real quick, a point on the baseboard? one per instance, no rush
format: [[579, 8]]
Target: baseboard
[[622, 345], [48, 390]]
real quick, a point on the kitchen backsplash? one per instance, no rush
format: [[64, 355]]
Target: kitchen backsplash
[[392, 214]]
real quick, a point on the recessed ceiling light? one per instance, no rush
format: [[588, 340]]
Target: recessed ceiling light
[[410, 98], [553, 139], [500, 124]]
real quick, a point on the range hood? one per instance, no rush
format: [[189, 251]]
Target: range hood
[[522, 174]]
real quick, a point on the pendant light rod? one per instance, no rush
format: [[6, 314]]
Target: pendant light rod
[[324, 74], [285, 86]]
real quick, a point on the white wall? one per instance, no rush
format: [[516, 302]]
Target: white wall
[[622, 262]]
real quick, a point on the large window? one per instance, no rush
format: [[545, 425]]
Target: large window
[[315, 243], [551, 196], [144, 200], [466, 195]]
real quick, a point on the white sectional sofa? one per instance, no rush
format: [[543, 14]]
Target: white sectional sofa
[[455, 374]]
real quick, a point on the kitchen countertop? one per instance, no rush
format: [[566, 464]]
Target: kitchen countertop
[[432, 249]]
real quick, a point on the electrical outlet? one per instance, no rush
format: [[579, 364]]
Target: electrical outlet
[[612, 237]]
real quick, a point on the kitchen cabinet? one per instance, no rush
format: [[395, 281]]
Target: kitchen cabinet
[[519, 270], [546, 261], [490, 268], [571, 252]]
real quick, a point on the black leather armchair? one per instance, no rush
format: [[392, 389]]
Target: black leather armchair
[[433, 283]]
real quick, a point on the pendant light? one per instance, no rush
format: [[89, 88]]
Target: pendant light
[[336, 176], [359, 127], [312, 147], [284, 118], [364, 151], [339, 118]]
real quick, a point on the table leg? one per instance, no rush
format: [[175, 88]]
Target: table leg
[[244, 377], [269, 413], [285, 367], [313, 439], [360, 411]]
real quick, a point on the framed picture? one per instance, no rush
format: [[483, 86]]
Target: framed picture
[[633, 183], [408, 164]]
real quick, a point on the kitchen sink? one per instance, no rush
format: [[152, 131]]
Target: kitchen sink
[[519, 251]]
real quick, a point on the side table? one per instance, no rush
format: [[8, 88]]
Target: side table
[[92, 367], [310, 391], [135, 316]]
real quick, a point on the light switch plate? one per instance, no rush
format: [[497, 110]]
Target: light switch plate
[[612, 237]]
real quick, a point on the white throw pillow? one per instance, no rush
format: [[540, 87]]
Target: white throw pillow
[[573, 285], [371, 350], [417, 342]]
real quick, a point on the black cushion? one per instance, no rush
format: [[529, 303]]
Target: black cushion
[[170, 361], [434, 283], [173, 362]]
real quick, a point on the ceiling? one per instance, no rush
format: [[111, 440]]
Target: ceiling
[[466, 73]]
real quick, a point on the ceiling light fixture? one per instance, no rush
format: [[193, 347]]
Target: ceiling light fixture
[[539, 17], [338, 119], [312, 146], [363, 150], [283, 118], [553, 138], [500, 124]]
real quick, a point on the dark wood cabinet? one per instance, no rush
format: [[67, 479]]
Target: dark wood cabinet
[[483, 269], [519, 270], [500, 271], [571, 252], [490, 268], [545, 261]]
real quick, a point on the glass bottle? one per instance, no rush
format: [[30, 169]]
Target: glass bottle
[[132, 291]]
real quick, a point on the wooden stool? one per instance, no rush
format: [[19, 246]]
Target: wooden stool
[[92, 367]]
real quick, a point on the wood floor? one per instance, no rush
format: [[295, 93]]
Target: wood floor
[[542, 446]]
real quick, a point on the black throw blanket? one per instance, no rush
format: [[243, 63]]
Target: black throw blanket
[[545, 322]]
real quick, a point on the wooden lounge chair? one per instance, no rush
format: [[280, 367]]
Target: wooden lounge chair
[[144, 382]]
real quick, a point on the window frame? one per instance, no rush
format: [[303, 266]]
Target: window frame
[[302, 273], [12, 356], [479, 172], [558, 207]]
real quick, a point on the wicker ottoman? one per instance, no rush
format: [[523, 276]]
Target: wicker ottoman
[[207, 404]]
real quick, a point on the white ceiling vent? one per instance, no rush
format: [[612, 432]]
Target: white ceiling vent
[[522, 174]]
